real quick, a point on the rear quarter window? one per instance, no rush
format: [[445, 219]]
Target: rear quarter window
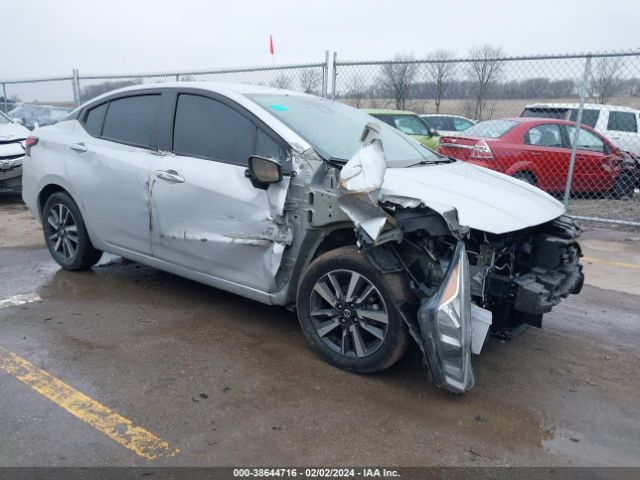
[[94, 119]]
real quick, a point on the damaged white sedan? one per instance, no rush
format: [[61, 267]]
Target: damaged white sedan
[[294, 200]]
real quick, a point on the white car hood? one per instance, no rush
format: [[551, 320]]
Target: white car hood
[[11, 131], [485, 200]]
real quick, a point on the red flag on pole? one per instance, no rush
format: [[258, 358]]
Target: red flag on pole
[[271, 49]]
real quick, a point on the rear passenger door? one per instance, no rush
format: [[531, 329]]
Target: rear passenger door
[[109, 161], [206, 215]]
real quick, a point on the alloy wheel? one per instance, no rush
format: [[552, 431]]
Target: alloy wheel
[[62, 231], [349, 313]]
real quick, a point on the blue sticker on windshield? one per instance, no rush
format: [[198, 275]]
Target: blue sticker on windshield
[[279, 108]]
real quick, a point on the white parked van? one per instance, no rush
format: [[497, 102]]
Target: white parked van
[[621, 125]]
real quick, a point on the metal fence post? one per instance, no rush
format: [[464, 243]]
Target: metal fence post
[[574, 147], [334, 75], [75, 83], [325, 74], [4, 96]]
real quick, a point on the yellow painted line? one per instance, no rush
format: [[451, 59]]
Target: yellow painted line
[[102, 418], [634, 266]]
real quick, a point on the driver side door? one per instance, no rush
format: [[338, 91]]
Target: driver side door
[[206, 216]]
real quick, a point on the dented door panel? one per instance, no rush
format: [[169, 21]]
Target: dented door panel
[[216, 222]]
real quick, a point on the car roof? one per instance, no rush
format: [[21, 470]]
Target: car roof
[[387, 111], [216, 87], [238, 92], [590, 106], [442, 115]]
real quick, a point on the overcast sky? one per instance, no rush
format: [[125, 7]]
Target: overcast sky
[[43, 38]]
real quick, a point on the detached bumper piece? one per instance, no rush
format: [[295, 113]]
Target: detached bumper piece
[[445, 326]]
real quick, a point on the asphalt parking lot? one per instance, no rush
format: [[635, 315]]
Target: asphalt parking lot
[[206, 378]]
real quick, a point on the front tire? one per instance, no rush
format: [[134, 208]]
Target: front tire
[[526, 177], [624, 186], [65, 234], [347, 311]]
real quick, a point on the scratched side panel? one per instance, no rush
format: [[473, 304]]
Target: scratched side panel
[[217, 223]]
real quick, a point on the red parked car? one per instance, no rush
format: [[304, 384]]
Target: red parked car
[[538, 150]]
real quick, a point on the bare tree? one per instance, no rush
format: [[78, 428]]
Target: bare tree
[[396, 78], [605, 78], [310, 80], [281, 81], [440, 71], [484, 73], [357, 91]]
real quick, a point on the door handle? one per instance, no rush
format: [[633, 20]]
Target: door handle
[[78, 147], [170, 176]]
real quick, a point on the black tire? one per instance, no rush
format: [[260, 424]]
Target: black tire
[[526, 177], [624, 186], [377, 353], [65, 234]]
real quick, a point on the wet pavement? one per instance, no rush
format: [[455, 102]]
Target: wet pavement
[[229, 381]]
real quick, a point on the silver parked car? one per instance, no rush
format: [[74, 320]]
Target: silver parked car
[[12, 148], [294, 200]]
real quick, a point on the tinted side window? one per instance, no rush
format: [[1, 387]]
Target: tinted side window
[[589, 117], [130, 120], [622, 122], [267, 147], [95, 118], [544, 136], [206, 128]]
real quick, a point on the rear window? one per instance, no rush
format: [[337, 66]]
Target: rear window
[[130, 120], [622, 122], [491, 128], [589, 117], [545, 112]]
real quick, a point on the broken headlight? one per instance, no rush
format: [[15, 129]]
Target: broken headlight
[[445, 323]]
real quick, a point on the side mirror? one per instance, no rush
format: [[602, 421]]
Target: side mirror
[[19, 121], [433, 132], [263, 171]]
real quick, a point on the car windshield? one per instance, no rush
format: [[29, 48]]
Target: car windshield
[[334, 129], [490, 128], [410, 124]]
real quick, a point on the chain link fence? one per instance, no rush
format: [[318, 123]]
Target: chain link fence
[[595, 170]]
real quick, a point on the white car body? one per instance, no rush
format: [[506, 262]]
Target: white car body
[[429, 117], [624, 133], [12, 136]]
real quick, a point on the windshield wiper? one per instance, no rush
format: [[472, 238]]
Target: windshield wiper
[[433, 162]]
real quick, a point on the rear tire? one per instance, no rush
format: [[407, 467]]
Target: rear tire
[[526, 177], [66, 235], [361, 330]]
